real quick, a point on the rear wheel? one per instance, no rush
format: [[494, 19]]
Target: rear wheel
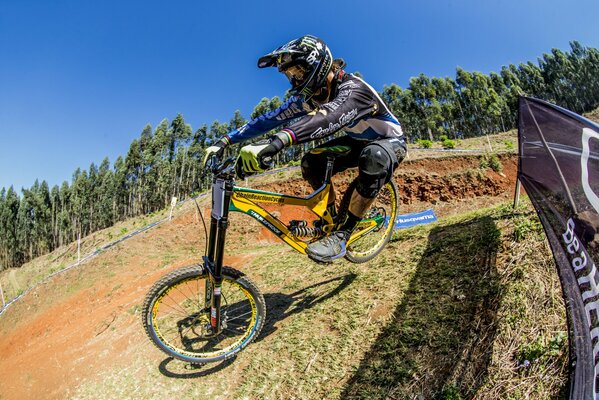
[[376, 228], [177, 321]]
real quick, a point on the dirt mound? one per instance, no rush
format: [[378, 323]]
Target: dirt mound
[[85, 323], [446, 179], [432, 180]]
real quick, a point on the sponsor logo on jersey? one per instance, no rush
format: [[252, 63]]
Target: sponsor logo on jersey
[[344, 119]]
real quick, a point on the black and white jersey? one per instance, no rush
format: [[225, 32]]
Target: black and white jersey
[[356, 108]]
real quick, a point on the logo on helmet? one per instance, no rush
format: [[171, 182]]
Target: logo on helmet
[[311, 42], [311, 59]]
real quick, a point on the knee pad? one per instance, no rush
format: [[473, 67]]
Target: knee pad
[[375, 169]]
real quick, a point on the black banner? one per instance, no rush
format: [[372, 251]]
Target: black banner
[[559, 168]]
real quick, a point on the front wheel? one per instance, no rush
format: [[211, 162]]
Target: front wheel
[[177, 320], [374, 231]]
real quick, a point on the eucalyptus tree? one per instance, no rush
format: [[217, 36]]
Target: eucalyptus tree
[[120, 197], [426, 104], [65, 222], [25, 250], [133, 168], [105, 195], [446, 97], [9, 238], [80, 199], [182, 134]]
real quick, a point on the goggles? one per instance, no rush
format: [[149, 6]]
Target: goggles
[[283, 60], [296, 74]]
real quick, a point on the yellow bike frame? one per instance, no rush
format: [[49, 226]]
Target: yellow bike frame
[[246, 200]]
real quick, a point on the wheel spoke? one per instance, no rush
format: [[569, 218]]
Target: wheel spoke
[[239, 316], [178, 323]]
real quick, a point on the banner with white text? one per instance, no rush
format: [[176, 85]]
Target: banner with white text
[[559, 168]]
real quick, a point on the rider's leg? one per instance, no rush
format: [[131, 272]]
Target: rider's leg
[[314, 165], [358, 204], [376, 164]]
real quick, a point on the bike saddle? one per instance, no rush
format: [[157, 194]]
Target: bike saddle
[[333, 150]]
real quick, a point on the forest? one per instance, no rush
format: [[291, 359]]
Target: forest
[[165, 161]]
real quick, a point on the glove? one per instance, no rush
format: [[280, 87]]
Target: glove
[[253, 158], [216, 149]]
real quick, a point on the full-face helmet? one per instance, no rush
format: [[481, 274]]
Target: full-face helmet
[[305, 61]]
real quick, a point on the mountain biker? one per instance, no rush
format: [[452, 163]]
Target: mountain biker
[[324, 100]]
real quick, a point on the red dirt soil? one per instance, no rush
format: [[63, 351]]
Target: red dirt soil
[[86, 321]]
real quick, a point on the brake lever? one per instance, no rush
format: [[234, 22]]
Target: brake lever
[[228, 167], [267, 162], [223, 168], [213, 164]]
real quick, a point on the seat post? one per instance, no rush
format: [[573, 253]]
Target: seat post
[[329, 171]]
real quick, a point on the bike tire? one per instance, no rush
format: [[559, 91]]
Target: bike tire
[[175, 319], [385, 208]]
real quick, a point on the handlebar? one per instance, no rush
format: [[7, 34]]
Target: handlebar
[[221, 169], [229, 169]]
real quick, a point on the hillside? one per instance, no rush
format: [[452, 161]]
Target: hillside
[[468, 307]]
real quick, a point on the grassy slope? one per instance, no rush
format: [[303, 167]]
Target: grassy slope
[[450, 310], [16, 280]]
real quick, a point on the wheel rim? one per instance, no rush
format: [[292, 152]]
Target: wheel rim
[[180, 322], [372, 232]]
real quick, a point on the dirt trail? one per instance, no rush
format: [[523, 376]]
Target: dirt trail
[[85, 322]]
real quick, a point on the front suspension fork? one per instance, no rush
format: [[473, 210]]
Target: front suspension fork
[[213, 262]]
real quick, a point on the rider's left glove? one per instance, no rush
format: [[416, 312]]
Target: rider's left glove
[[217, 149], [256, 157]]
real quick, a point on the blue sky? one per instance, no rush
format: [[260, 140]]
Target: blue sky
[[79, 80]]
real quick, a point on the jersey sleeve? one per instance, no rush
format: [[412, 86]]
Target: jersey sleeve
[[353, 102], [288, 111]]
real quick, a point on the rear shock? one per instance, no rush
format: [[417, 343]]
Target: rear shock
[[301, 229]]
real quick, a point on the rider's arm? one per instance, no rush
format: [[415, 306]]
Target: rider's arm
[[291, 109], [353, 102]]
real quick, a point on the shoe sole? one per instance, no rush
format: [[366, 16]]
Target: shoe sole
[[327, 260]]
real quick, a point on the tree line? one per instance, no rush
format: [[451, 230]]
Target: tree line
[[165, 162], [475, 104]]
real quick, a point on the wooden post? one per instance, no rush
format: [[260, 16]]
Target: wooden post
[[517, 193], [173, 204], [2, 294], [78, 247], [489, 141]]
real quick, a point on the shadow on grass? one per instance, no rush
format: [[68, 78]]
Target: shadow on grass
[[280, 306], [438, 344], [191, 371]]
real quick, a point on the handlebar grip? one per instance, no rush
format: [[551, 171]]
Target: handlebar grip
[[267, 162]]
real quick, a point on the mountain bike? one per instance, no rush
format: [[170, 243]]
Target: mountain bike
[[208, 312]]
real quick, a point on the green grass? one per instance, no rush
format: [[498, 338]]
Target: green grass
[[468, 307], [38, 270], [496, 143], [426, 319], [454, 289], [422, 320]]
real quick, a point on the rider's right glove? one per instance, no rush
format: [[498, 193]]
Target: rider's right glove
[[216, 149], [257, 157]]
